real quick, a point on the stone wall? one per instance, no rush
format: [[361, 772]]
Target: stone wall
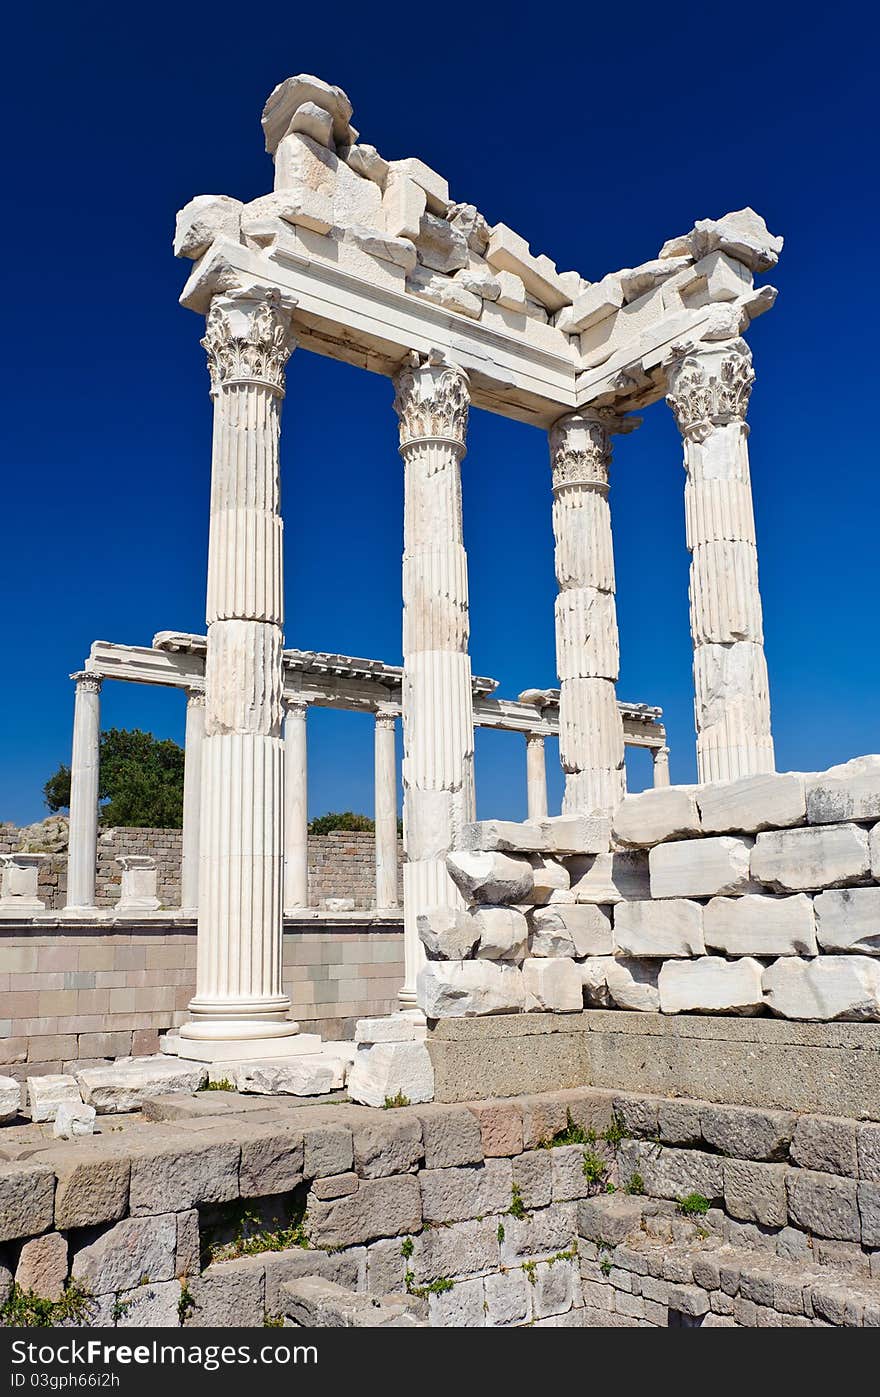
[[341, 864], [80, 993], [580, 1208]]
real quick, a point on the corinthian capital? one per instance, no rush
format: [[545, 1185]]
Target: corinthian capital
[[431, 401], [84, 679], [248, 340], [580, 448], [709, 386]]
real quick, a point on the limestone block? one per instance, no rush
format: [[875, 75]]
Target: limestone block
[[594, 979], [756, 1192], [42, 1266], [315, 1303], [313, 121], [554, 985], [227, 1295], [435, 186], [671, 1173], [204, 219], [153, 1306], [701, 867], [508, 1299], [772, 800], [743, 235], [638, 281], [286, 99], [447, 933], [868, 1145], [632, 984], [440, 246], [503, 934], [328, 1149], [465, 989], [403, 206], [826, 1143], [301, 207], [824, 989], [830, 856], [869, 1215], [849, 920], [550, 877], [576, 834], [459, 1249], [711, 985], [271, 1159], [91, 1182], [10, 1098], [504, 837], [384, 1071], [390, 1207], [26, 1191], [576, 931], [480, 282], [533, 1176], [365, 160], [512, 293], [128, 1252], [666, 812], [567, 1173], [462, 1307], [539, 1235], [823, 1204], [309, 1074], [444, 291], [594, 305], [450, 1135], [125, 1085], [384, 1143], [468, 219], [73, 1118], [673, 927], [509, 252], [456, 1195], [301, 163], [850, 791], [760, 925], [609, 1219], [45, 1095], [609, 878], [393, 1028], [179, 1171], [501, 1127], [491, 877]]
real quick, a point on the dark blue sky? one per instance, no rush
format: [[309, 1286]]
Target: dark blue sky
[[595, 131]]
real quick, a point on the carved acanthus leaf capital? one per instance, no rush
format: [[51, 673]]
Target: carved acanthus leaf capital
[[90, 683], [248, 341], [432, 401], [580, 448], [710, 387]]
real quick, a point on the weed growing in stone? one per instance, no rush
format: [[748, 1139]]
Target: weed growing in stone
[[25, 1310], [595, 1167], [224, 1084], [437, 1287], [517, 1208], [693, 1205], [186, 1304], [392, 1102], [635, 1184], [573, 1134], [406, 1247], [616, 1131]]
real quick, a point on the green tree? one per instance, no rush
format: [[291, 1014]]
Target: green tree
[[141, 779], [344, 820]]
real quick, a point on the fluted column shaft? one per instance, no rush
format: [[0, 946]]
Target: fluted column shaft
[[82, 853], [385, 812], [192, 799], [536, 776], [239, 992], [660, 757], [438, 722], [587, 652], [709, 388], [296, 799]]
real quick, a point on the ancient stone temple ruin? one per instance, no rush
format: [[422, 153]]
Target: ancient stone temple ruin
[[633, 1048]]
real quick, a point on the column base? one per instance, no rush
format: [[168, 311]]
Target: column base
[[240, 1049]]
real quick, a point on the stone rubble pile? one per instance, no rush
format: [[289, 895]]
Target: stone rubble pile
[[393, 223], [743, 897]]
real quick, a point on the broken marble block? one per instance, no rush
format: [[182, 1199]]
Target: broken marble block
[[388, 1071], [650, 817], [10, 1098], [204, 219], [447, 933], [701, 867], [466, 989], [609, 878], [392, 1028], [594, 979], [503, 836], [632, 984], [671, 927], [824, 989], [309, 1074], [711, 985], [440, 246], [552, 985], [772, 800], [125, 1085], [801, 860], [290, 95], [73, 1118], [549, 878], [850, 791], [848, 919], [575, 834], [761, 925], [503, 934], [577, 930], [491, 877], [45, 1095]]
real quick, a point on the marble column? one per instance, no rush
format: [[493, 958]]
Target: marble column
[[82, 854], [536, 776], [709, 388], [296, 799], [239, 1002], [192, 798], [385, 811], [660, 757], [591, 745], [431, 402]]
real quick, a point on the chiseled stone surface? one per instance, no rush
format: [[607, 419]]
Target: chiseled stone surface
[[552, 984], [827, 988], [42, 1266], [756, 1192], [610, 878], [503, 934], [45, 1095], [772, 800], [803, 860], [10, 1098], [758, 924], [850, 791], [848, 919], [491, 877], [447, 933], [669, 927], [170, 1172], [128, 1253], [652, 816], [459, 989], [826, 1143], [824, 1204], [711, 985], [73, 1118], [379, 1208], [701, 867], [124, 1086], [576, 930], [26, 1194], [632, 984], [385, 1071]]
